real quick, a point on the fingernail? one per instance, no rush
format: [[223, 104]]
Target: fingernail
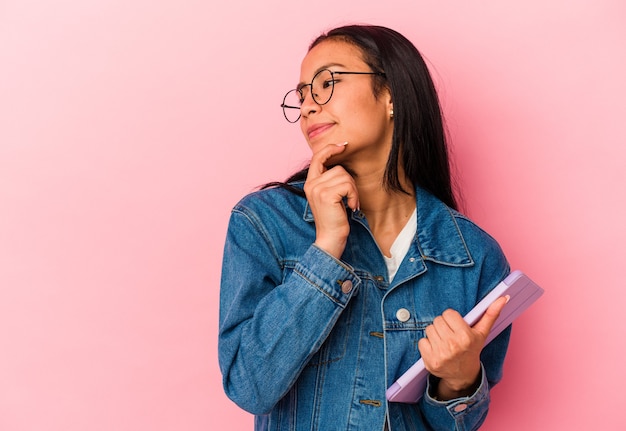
[[343, 144], [508, 298]]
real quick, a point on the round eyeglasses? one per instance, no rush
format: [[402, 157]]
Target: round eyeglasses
[[322, 87]]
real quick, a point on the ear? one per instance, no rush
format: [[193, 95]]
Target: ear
[[389, 102], [388, 99], [385, 97]]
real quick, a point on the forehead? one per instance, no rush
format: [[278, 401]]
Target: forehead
[[330, 53]]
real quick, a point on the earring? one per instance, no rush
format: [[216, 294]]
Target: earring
[[391, 113]]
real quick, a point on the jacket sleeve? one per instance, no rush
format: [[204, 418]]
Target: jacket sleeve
[[270, 325], [469, 413]]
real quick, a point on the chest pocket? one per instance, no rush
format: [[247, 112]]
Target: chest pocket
[[405, 327]]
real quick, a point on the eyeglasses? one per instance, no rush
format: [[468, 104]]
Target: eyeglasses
[[322, 87]]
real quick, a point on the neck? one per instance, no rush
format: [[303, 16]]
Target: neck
[[387, 212]]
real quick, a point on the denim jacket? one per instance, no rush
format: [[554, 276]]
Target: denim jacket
[[310, 342]]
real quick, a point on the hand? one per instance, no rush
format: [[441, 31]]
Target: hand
[[325, 190], [451, 350]]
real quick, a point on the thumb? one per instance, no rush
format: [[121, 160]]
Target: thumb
[[483, 326]]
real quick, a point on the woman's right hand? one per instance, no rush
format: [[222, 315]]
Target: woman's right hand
[[325, 190]]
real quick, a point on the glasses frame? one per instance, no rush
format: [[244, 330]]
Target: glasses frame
[[332, 91]]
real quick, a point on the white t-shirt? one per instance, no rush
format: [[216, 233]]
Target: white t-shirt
[[401, 245]]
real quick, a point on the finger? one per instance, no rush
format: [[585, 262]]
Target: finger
[[443, 324], [433, 336], [319, 159], [484, 325], [442, 331], [425, 347], [453, 320], [337, 181], [349, 190]]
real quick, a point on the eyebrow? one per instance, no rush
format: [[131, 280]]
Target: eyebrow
[[326, 66]]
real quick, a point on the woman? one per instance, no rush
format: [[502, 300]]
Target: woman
[[337, 281]]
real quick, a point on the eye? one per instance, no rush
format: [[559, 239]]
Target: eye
[[329, 83]]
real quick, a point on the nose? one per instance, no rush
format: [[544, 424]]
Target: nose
[[308, 106]]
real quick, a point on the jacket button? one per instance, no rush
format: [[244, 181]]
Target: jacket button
[[460, 408], [403, 315], [346, 286]]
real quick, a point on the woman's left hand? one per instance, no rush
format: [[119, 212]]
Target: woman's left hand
[[451, 350]]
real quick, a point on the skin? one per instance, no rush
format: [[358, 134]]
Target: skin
[[355, 116], [353, 133]]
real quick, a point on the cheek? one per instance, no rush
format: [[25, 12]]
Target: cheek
[[371, 119], [302, 126], [366, 107]]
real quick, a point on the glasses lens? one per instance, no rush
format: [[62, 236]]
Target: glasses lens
[[291, 106], [322, 86]]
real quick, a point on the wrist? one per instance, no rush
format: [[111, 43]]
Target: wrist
[[331, 247], [448, 389]]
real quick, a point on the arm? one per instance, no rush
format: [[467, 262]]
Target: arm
[[270, 328], [454, 398], [271, 325], [469, 411]]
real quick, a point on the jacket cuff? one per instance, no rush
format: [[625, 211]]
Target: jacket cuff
[[332, 277], [459, 407]]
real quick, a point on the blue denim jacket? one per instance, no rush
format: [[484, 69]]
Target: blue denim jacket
[[309, 342]]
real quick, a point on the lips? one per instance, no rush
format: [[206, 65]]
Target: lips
[[317, 129]]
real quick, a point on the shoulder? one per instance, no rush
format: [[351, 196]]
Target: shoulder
[[272, 197], [273, 205], [273, 218], [451, 235], [473, 233], [485, 250]]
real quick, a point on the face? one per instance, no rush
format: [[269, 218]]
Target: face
[[353, 113]]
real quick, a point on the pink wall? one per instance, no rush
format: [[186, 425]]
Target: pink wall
[[128, 129]]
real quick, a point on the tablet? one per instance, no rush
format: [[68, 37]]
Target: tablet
[[411, 385]]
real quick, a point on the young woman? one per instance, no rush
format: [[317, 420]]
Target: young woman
[[335, 282]]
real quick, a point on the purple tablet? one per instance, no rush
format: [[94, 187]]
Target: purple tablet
[[411, 385]]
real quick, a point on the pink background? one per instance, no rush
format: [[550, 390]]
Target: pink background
[[128, 129]]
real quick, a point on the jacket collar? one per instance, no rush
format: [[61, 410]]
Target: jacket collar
[[438, 236]]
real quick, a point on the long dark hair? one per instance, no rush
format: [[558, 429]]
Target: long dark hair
[[419, 132]]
